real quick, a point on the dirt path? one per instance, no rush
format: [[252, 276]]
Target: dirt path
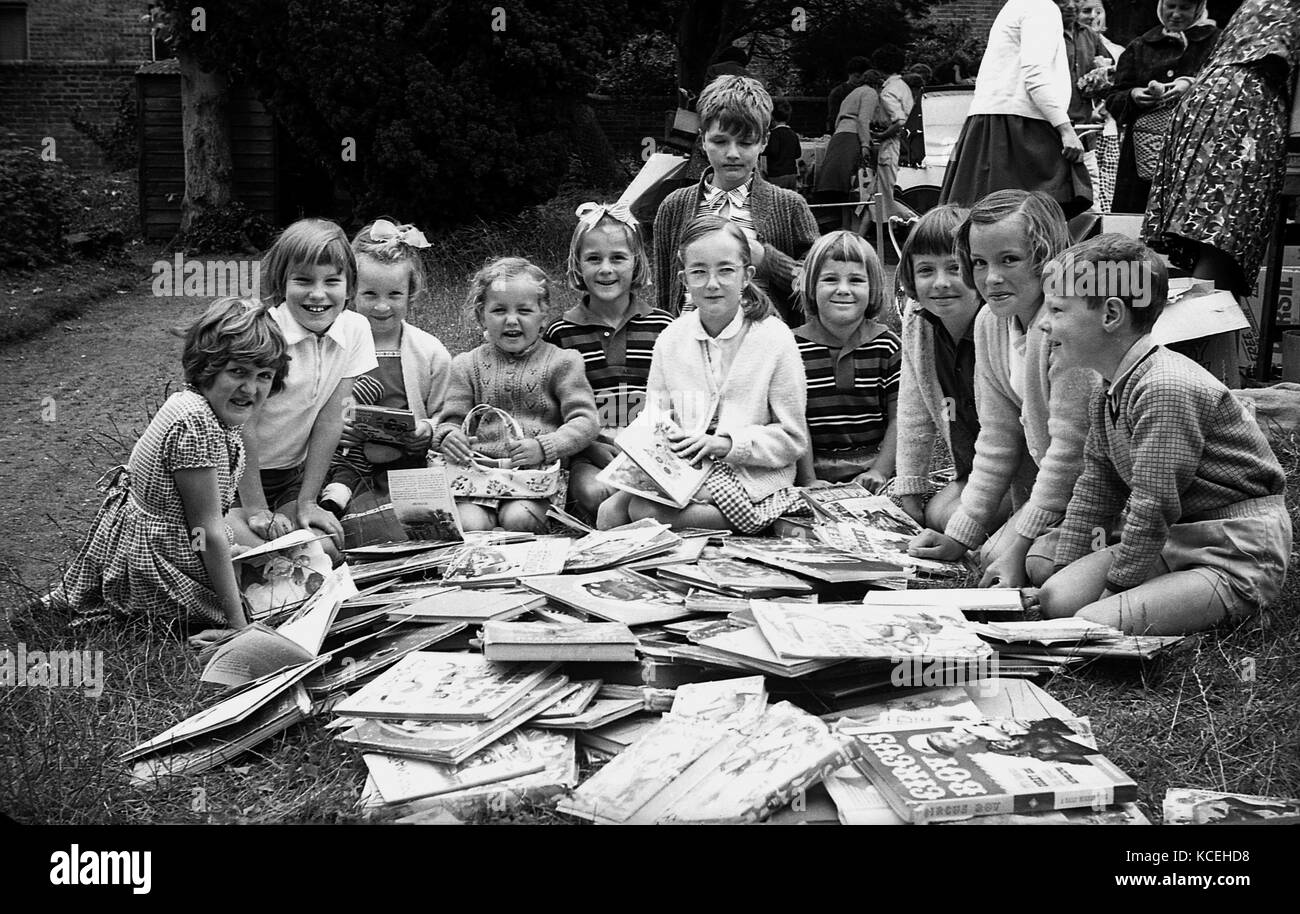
[[74, 399]]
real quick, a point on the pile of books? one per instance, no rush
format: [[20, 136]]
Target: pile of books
[[718, 676]]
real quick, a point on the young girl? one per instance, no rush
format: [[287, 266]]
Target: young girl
[[413, 365], [543, 387], [729, 375], [937, 388], [851, 362], [308, 273], [1033, 415], [613, 332], [161, 542]]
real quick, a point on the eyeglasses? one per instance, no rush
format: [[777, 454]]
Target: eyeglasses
[[726, 276]]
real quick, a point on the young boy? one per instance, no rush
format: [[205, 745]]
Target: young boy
[[312, 272], [1206, 534], [735, 115], [783, 149]]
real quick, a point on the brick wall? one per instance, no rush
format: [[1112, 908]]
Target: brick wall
[[978, 15], [100, 30], [38, 99]]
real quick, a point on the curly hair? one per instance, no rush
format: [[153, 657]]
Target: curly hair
[[505, 268], [233, 330]]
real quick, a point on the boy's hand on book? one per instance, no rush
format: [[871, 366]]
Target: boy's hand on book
[[931, 544], [526, 452], [458, 447]]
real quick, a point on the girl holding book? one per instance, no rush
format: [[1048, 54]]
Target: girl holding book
[[729, 378]]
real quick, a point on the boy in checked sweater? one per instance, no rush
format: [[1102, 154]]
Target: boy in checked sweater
[[1206, 534]]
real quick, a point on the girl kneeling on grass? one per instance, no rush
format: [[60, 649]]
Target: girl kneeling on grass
[[162, 541], [543, 387], [729, 375]]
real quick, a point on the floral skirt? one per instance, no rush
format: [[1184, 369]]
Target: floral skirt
[[1221, 172]]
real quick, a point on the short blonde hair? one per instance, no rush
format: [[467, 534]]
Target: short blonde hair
[[307, 242], [501, 269], [739, 105], [635, 243], [841, 247], [390, 252]]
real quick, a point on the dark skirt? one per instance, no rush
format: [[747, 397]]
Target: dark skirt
[[839, 165], [1001, 151], [1131, 191], [1221, 172]]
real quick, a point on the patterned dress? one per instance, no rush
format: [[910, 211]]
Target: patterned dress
[[138, 558], [1223, 164]]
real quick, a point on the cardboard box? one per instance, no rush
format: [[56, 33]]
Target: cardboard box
[[1286, 312]]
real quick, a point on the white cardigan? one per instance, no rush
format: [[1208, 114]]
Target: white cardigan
[[426, 370], [1025, 70], [761, 403]]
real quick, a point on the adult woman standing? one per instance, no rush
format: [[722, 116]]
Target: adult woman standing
[[1018, 133], [1153, 75], [1214, 193], [850, 145]]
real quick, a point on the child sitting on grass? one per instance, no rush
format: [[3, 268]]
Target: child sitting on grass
[[1206, 534], [543, 387]]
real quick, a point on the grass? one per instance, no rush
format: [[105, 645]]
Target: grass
[[1225, 714]]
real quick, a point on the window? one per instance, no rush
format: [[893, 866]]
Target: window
[[13, 31]]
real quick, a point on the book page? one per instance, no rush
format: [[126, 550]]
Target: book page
[[424, 504]]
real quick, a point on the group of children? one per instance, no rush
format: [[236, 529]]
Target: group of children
[[1088, 460]]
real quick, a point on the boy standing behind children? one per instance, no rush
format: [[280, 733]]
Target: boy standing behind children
[[735, 115], [783, 149], [1206, 533]]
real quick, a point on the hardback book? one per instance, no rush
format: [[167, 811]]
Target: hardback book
[[424, 504], [646, 443], [437, 686], [976, 600], [600, 712], [687, 551], [848, 632], [552, 641], [624, 474], [1189, 806], [852, 502], [475, 565], [615, 595], [456, 605], [383, 424], [1128, 647], [729, 702], [578, 695], [613, 738], [747, 649], [1050, 632], [990, 767], [280, 575], [216, 748], [450, 741], [736, 577], [368, 655], [620, 545], [812, 560]]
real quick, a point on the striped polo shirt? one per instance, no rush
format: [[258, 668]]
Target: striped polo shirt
[[852, 385], [617, 358]]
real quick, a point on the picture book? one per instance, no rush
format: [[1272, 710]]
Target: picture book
[[450, 741], [474, 565], [1072, 630], [576, 698], [368, 655], [383, 424], [812, 560], [558, 641], [848, 632], [600, 712], [930, 706], [646, 443], [424, 504], [280, 575], [605, 548], [615, 595], [989, 767], [852, 502], [862, 539], [687, 551], [1189, 806], [747, 649], [737, 577], [613, 738], [1000, 600], [438, 686], [728, 702], [454, 604]]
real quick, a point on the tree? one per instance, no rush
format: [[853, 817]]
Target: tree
[[435, 112], [205, 127]]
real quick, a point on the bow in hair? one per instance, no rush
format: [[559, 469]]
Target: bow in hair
[[592, 213], [409, 235]]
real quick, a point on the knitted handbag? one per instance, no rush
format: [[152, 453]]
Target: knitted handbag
[[491, 477], [1149, 133]]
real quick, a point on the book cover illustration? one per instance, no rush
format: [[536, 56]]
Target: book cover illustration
[[383, 424], [282, 574], [990, 767], [862, 539], [424, 504], [811, 559], [646, 442], [616, 595], [437, 686], [480, 564], [932, 706], [1188, 806], [799, 631], [728, 702], [624, 474], [604, 548], [852, 502], [738, 576]]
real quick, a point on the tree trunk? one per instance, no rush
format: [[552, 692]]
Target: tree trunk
[[209, 171], [697, 41]]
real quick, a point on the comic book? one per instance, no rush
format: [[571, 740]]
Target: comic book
[[990, 767], [848, 632], [1189, 806], [852, 502], [736, 577], [606, 548], [478, 564], [812, 560], [615, 595], [438, 686], [559, 641]]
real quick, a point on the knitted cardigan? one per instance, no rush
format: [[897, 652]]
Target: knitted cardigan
[[761, 403], [545, 389], [921, 410], [1050, 422], [426, 371], [784, 223]]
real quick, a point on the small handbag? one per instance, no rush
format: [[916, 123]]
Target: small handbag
[[491, 477], [1149, 133]]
